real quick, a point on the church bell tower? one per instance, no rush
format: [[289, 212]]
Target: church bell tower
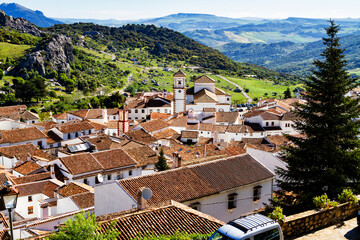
[[179, 92]]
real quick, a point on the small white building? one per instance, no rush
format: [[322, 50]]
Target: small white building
[[22, 136], [224, 189]]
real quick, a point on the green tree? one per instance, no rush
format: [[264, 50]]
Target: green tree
[[84, 228], [161, 165], [328, 158], [287, 93]]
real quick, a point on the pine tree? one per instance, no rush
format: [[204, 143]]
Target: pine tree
[[327, 159], [287, 93], [161, 165]]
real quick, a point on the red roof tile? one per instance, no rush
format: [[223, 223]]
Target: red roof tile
[[21, 135]]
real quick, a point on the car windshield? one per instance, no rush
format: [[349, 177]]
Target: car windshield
[[219, 236]]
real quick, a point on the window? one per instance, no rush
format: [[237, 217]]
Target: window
[[232, 202], [69, 136], [136, 111], [39, 144], [142, 110], [97, 180], [150, 110], [165, 110], [267, 123], [272, 234], [179, 82], [136, 117], [130, 172], [29, 198], [158, 110], [257, 193], [85, 181], [195, 206], [109, 177], [30, 210], [272, 123]]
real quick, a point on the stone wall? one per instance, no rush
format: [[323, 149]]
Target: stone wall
[[316, 219]]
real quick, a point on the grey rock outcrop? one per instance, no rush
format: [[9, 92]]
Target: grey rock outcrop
[[19, 24], [57, 52]]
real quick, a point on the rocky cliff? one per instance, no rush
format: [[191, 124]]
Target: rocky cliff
[[18, 24], [57, 52]]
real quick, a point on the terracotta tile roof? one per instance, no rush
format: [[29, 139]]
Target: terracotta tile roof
[[179, 73], [154, 125], [74, 188], [95, 114], [189, 134], [23, 151], [196, 181], [270, 116], [192, 126], [204, 79], [84, 200], [161, 116], [189, 153], [143, 155], [75, 126], [179, 121], [32, 178], [52, 137], [29, 116], [218, 91], [4, 235], [206, 126], [45, 187], [255, 126], [81, 163], [155, 102], [253, 113], [235, 150], [278, 140], [46, 125], [12, 109], [141, 136], [98, 125], [27, 167], [240, 129], [4, 221], [60, 116], [293, 101], [220, 128], [289, 116], [101, 141], [205, 96], [130, 144], [228, 117], [156, 221], [135, 104], [21, 135], [115, 158], [80, 113], [113, 111], [168, 133], [112, 124]]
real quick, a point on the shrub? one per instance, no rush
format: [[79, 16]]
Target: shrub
[[323, 201], [277, 215], [348, 196]]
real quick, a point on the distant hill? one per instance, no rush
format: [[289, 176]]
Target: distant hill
[[35, 17], [289, 57]]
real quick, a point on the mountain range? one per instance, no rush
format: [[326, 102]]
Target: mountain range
[[286, 45]]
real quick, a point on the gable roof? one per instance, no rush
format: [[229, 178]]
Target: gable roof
[[270, 116], [167, 133], [101, 141], [27, 167], [84, 200], [143, 155], [75, 126], [74, 188], [165, 220], [81, 163], [205, 96], [189, 134], [60, 116], [154, 125], [289, 116], [229, 117], [23, 151], [32, 178], [179, 73], [45, 187], [21, 135], [196, 181], [115, 158], [141, 136], [204, 79]]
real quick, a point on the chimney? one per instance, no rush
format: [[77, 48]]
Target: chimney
[[141, 202], [177, 162], [52, 171]]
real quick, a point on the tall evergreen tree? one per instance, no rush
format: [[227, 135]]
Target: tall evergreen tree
[[287, 93], [327, 159], [161, 165]]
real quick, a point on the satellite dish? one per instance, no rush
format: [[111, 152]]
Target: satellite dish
[[100, 178], [146, 193]]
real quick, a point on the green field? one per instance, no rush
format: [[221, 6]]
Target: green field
[[12, 51]]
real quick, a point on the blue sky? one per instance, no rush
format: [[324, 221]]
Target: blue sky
[[137, 9]]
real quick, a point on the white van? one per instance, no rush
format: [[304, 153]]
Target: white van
[[254, 227]]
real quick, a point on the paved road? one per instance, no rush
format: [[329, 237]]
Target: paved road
[[249, 100], [348, 230]]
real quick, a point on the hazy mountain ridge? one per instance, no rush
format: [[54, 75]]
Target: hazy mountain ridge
[[36, 17]]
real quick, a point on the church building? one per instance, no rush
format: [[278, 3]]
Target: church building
[[202, 97]]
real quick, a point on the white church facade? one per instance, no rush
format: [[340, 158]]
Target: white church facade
[[202, 97]]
